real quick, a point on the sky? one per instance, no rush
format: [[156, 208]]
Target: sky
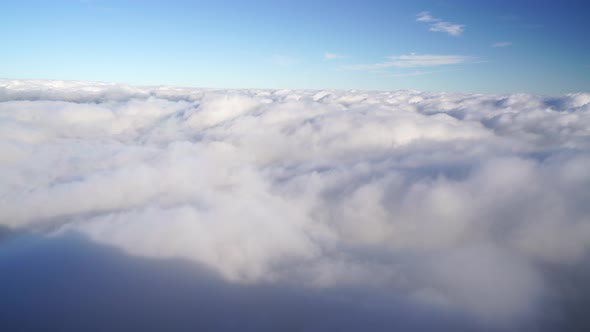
[[221, 166], [462, 46]]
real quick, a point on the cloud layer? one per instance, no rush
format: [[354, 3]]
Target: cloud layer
[[467, 205]]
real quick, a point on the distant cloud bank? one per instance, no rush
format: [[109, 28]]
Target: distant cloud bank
[[463, 210]]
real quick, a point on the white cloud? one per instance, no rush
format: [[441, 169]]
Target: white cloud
[[439, 202], [438, 25], [426, 17], [413, 61], [450, 28], [502, 44], [332, 56]]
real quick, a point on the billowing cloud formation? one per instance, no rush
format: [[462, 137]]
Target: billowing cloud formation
[[468, 205]]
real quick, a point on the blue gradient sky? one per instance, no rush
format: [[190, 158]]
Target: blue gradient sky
[[283, 44]]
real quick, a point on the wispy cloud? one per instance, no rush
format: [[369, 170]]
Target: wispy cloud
[[332, 56], [426, 17], [413, 61], [439, 25], [419, 73], [450, 28], [501, 44]]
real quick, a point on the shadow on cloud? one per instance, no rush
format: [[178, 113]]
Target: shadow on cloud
[[69, 283]]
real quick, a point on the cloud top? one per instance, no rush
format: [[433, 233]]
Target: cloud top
[[464, 204]]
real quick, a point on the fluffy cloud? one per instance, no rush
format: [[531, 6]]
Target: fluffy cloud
[[464, 204]]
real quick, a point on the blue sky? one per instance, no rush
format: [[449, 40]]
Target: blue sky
[[471, 46]]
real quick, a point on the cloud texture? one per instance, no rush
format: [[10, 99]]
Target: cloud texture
[[462, 205], [438, 25]]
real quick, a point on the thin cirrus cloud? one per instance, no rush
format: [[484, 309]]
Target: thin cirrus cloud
[[413, 61], [419, 73], [439, 25], [328, 56], [502, 44]]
